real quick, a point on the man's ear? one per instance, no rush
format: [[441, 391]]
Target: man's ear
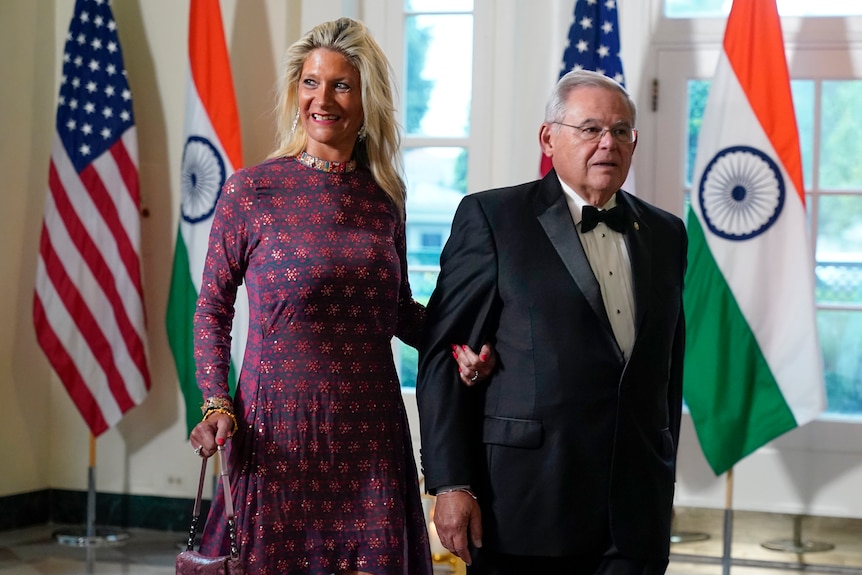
[[545, 140]]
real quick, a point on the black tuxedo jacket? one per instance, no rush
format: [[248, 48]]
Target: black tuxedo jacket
[[567, 443]]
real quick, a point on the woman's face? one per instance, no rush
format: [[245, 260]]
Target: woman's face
[[330, 104]]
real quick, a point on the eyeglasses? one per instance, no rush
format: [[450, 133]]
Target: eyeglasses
[[622, 134]]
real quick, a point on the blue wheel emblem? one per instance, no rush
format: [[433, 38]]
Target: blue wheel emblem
[[741, 193], [203, 175]]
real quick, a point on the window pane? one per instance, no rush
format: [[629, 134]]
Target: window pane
[[803, 105], [436, 182], [839, 249], [841, 340], [698, 90], [718, 8], [840, 141], [695, 8], [438, 5], [439, 75]]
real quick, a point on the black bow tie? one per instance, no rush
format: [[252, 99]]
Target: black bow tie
[[615, 218]]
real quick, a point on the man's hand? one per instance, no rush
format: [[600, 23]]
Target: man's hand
[[457, 517]]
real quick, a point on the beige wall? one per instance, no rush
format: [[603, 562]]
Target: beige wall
[[27, 39]]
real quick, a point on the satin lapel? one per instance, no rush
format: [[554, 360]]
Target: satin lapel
[[639, 242], [555, 218]]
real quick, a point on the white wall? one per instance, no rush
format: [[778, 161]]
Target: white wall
[[815, 470]]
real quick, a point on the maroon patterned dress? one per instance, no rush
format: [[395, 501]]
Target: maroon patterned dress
[[322, 466]]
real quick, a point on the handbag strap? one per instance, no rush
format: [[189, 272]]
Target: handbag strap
[[228, 502]]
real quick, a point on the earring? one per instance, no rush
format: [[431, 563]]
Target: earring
[[362, 133], [295, 121]]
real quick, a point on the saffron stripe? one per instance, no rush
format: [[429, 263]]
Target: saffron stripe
[[210, 70], [754, 46]]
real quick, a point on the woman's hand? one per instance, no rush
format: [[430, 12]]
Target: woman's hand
[[204, 435], [474, 368]]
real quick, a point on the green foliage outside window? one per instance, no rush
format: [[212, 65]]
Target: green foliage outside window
[[418, 88]]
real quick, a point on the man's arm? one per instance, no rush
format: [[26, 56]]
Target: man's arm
[[678, 351], [450, 413], [459, 311]]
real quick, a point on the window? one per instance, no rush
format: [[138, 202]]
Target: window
[[436, 103], [826, 100]]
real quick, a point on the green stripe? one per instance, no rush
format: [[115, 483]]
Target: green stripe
[[180, 315], [734, 400]]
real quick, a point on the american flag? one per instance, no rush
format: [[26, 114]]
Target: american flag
[[88, 307], [593, 44], [594, 40]]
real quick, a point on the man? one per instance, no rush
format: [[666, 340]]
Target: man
[[563, 461]]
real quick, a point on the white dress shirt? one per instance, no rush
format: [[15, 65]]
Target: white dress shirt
[[609, 259]]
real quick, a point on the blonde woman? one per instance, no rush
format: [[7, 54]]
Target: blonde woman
[[322, 466]]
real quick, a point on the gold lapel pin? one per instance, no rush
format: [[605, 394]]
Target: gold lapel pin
[[637, 227]]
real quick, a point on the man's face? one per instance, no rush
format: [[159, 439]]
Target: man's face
[[595, 170]]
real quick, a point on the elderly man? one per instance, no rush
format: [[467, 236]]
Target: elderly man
[[563, 461]]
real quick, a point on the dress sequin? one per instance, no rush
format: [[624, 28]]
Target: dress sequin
[[322, 465]]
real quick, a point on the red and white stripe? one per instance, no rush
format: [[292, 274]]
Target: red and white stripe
[[88, 308]]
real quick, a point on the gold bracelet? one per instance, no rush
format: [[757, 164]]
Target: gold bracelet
[[216, 402], [227, 412]]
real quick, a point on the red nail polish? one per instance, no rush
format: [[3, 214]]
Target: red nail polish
[[220, 440], [455, 355], [483, 357]]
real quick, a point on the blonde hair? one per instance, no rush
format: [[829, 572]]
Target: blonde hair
[[379, 149]]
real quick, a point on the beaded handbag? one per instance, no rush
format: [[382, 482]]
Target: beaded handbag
[[191, 562]]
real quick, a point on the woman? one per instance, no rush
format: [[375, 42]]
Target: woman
[[321, 458]]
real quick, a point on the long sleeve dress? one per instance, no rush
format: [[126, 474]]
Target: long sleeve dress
[[322, 467]]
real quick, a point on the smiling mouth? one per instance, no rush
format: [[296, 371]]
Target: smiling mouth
[[324, 117]]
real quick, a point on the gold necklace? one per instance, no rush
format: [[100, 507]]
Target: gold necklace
[[316, 163]]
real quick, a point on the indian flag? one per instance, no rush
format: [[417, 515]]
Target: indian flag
[[212, 150], [753, 367]]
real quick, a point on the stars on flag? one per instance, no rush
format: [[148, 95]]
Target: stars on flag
[[88, 310], [594, 42], [95, 103]]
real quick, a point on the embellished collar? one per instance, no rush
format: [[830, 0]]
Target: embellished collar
[[315, 163]]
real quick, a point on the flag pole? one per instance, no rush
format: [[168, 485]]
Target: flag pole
[[90, 536], [91, 489], [728, 523]]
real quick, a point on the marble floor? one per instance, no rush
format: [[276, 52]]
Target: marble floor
[[36, 550], [764, 544]]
